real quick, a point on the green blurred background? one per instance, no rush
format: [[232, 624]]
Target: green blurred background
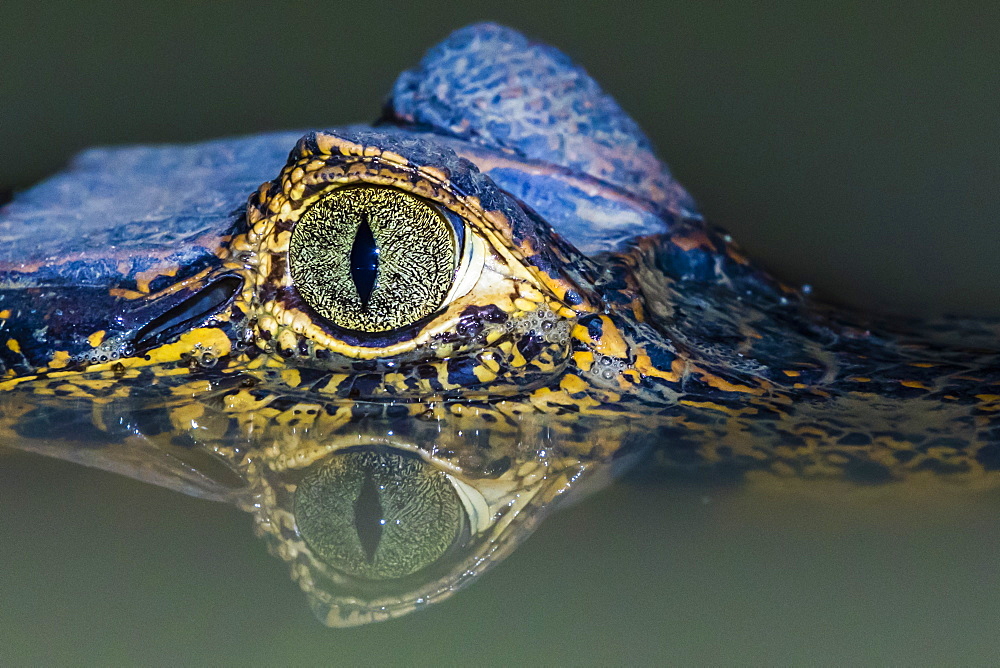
[[850, 145]]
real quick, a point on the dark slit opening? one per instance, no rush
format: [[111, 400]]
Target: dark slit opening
[[368, 520], [191, 311], [364, 261]]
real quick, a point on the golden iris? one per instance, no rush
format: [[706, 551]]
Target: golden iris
[[373, 259]]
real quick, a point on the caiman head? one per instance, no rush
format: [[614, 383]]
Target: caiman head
[[389, 355]]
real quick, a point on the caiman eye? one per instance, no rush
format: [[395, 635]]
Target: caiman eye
[[378, 515], [373, 259]]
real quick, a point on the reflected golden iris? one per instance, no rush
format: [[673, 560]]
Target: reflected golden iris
[[378, 514]]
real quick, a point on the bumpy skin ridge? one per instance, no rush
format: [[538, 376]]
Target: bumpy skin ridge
[[490, 85]]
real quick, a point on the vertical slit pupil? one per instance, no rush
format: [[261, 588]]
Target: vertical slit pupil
[[364, 261]]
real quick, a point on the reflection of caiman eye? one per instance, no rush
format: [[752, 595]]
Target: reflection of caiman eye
[[373, 259], [378, 515]]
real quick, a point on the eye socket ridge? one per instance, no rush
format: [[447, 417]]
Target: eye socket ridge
[[374, 259]]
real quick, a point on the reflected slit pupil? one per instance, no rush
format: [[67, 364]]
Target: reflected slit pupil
[[364, 261], [368, 517]]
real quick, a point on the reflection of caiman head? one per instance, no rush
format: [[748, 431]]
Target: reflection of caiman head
[[380, 525]]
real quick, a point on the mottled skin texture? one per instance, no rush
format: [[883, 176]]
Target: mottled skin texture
[[149, 324]]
